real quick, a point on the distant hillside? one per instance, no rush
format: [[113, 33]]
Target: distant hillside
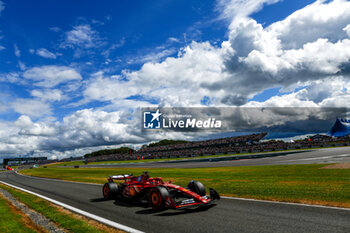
[[121, 150], [166, 142]]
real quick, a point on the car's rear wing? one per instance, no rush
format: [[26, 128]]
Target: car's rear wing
[[120, 177]]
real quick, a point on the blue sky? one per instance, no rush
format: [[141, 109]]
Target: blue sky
[[125, 32], [134, 28], [72, 65], [278, 11]]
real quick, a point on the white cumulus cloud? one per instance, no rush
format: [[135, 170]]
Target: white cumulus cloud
[[92, 128], [82, 36], [27, 127], [321, 19], [171, 81], [252, 60], [46, 53], [50, 76], [30, 107], [234, 9], [48, 95]]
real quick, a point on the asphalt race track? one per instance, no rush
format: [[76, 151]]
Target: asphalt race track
[[227, 216], [327, 155]]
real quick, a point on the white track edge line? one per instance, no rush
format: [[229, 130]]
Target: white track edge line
[[79, 211], [225, 197], [285, 203]]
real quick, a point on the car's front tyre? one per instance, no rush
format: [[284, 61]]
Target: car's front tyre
[[196, 187], [157, 198]]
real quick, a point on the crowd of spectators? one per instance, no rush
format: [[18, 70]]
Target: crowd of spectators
[[188, 149], [203, 144]]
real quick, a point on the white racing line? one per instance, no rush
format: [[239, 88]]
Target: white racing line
[[224, 197], [79, 211]]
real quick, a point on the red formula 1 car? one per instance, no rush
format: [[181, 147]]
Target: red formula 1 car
[[159, 194], [9, 168]]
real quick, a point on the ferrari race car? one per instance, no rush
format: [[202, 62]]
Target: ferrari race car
[[159, 194]]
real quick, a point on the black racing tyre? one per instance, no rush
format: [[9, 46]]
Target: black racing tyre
[[110, 190], [197, 187], [157, 198]]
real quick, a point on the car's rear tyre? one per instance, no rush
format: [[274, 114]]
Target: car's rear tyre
[[197, 187], [110, 190], [157, 198]]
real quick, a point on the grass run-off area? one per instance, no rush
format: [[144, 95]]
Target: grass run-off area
[[65, 219], [10, 221], [292, 183]]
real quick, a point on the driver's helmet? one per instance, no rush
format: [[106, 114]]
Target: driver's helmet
[[142, 178]]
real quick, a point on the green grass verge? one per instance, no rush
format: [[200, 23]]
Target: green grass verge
[[10, 221], [51, 212], [293, 183]]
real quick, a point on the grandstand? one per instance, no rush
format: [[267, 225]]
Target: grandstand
[[186, 149], [238, 144], [253, 138]]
